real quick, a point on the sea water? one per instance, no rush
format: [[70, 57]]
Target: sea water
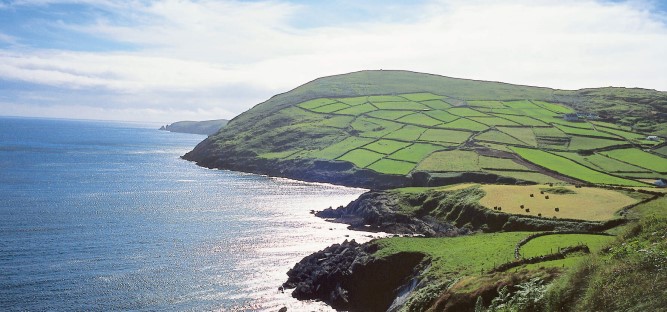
[[100, 216]]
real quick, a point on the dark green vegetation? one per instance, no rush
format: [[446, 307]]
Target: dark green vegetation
[[356, 128], [207, 127]]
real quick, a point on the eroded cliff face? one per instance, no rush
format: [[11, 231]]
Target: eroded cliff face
[[348, 277]]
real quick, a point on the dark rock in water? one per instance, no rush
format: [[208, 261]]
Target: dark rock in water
[[283, 309], [347, 277], [380, 212]]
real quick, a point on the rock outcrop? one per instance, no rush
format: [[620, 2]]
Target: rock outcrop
[[346, 276]]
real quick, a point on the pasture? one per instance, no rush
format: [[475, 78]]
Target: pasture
[[585, 203]]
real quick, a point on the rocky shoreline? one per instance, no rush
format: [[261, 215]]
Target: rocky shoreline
[[347, 277]]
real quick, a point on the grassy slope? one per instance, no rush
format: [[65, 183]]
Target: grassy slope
[[340, 117]]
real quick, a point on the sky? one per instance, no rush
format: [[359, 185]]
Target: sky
[[164, 61]]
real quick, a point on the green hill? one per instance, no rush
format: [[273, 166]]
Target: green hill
[[386, 129], [206, 127]]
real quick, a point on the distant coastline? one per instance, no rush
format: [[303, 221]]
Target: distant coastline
[[207, 127]]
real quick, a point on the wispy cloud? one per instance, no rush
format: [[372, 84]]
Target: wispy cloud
[[222, 57]]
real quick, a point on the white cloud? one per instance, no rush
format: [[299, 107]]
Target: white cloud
[[191, 54]]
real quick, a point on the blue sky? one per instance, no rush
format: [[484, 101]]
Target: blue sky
[[184, 59]]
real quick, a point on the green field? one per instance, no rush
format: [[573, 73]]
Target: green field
[[465, 124], [342, 147], [390, 114], [437, 104], [450, 161], [402, 105], [466, 112], [548, 244], [457, 255], [390, 166], [603, 163], [406, 133], [639, 158], [386, 146], [420, 119], [418, 97], [444, 135], [361, 157], [570, 168], [357, 110], [498, 137], [585, 132], [525, 135], [415, 152]]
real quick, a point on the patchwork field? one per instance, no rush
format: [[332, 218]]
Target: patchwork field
[[403, 133], [585, 203]]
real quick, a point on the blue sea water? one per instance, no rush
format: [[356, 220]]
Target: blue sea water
[[100, 216]]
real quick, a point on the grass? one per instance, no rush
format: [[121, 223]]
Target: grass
[[498, 137], [390, 114], [494, 121], [456, 256], [486, 162], [624, 134], [586, 132], [406, 133], [418, 97], [602, 162], [521, 104], [385, 98], [441, 115], [466, 112], [526, 176], [390, 166], [415, 152], [586, 143], [487, 104], [639, 158], [437, 104], [628, 277], [354, 100], [661, 151], [524, 134], [342, 147], [523, 120], [587, 203], [373, 127], [549, 132], [357, 110], [569, 168], [652, 209], [386, 146], [443, 135], [420, 119], [560, 109], [361, 157], [330, 108], [400, 105], [316, 103], [451, 161], [340, 122], [548, 244], [465, 124]]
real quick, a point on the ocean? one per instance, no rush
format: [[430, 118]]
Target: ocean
[[99, 216]]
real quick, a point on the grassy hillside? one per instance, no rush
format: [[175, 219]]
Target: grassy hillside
[[396, 123]]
